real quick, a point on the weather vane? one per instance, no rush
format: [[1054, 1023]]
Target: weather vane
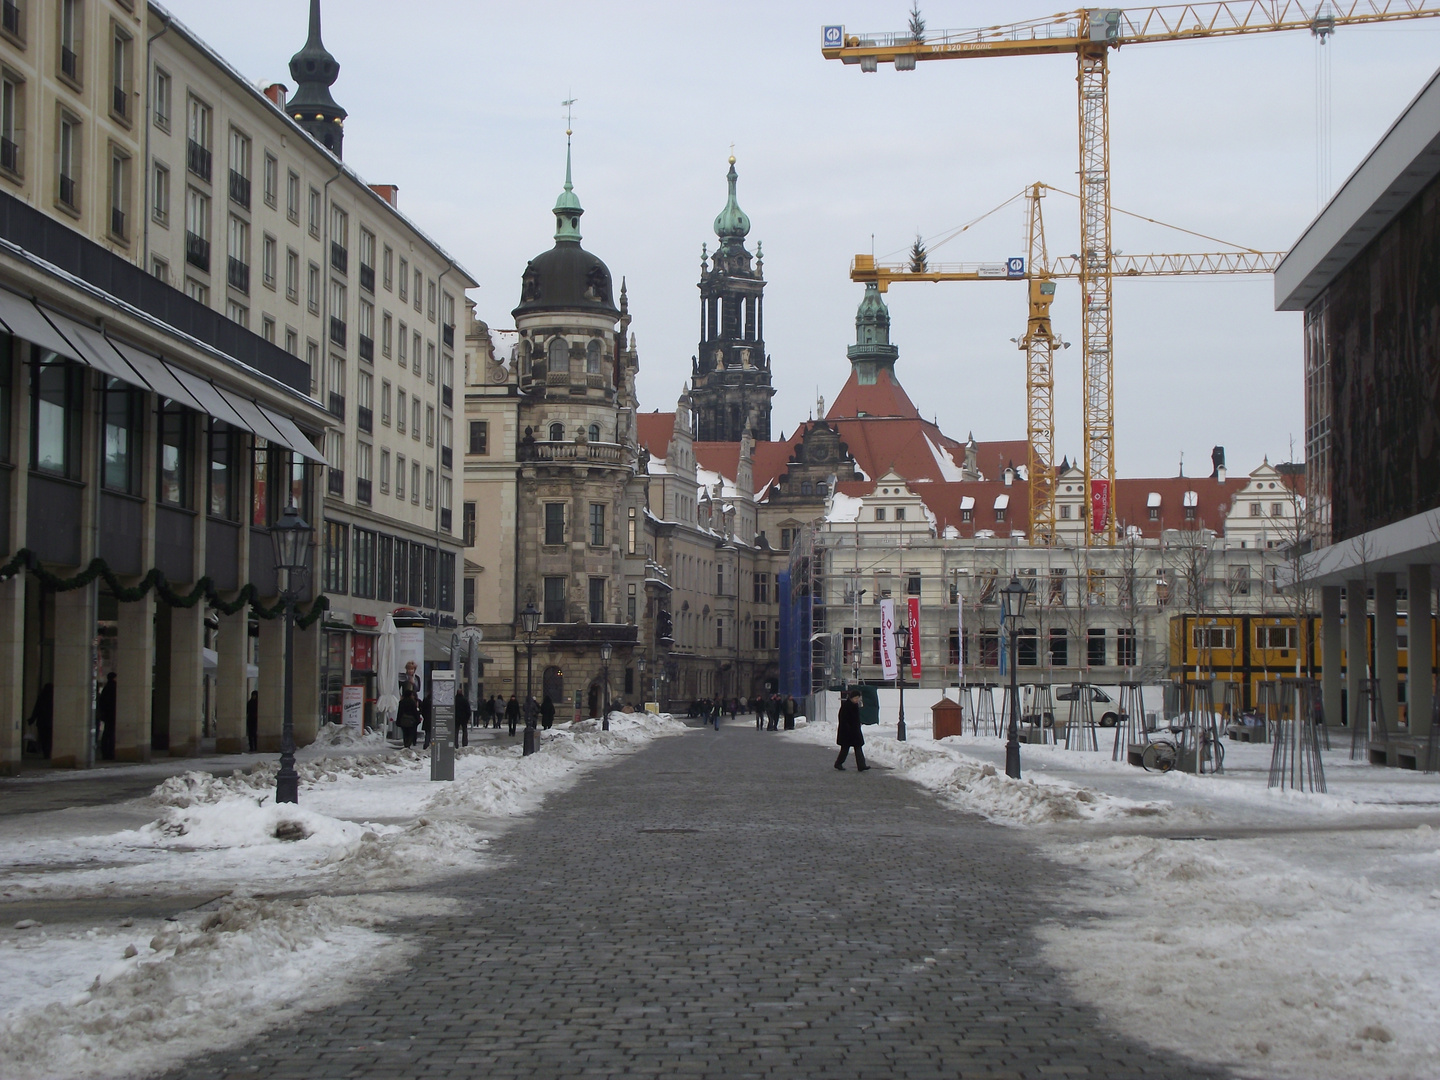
[[567, 103]]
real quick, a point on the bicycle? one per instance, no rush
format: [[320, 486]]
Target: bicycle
[[1160, 755]]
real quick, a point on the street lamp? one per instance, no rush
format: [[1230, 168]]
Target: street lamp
[[640, 664], [529, 625], [1012, 607], [606, 651], [902, 646], [290, 539]]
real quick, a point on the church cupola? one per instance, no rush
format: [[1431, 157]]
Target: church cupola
[[872, 349], [315, 71], [731, 372]]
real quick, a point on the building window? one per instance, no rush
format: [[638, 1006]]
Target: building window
[[1000, 513], [385, 402], [1095, 646], [224, 471], [1027, 647], [429, 424], [403, 338], [404, 281], [197, 229], [237, 313], [1239, 581], [1213, 637], [415, 352], [400, 399], [760, 634], [267, 328], [1059, 647], [197, 131], [1065, 509], [480, 437], [197, 291], [364, 583], [314, 215], [387, 268], [238, 249], [292, 196], [912, 585], [160, 269], [1278, 637], [239, 169], [337, 546], [1277, 509], [1154, 513], [69, 180], [469, 524], [292, 341], [419, 285], [119, 195], [880, 514], [760, 588], [364, 460], [367, 330], [1125, 650], [430, 362], [592, 357], [121, 67], [554, 523], [160, 104], [966, 514], [124, 424], [335, 460], [414, 483], [384, 471], [400, 477], [292, 275], [367, 260], [557, 432], [269, 258], [312, 288], [339, 239], [173, 460], [160, 195], [597, 524], [385, 333], [415, 417], [338, 310], [72, 22], [554, 600], [597, 600], [630, 533]]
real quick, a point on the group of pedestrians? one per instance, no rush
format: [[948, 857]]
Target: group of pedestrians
[[769, 711]]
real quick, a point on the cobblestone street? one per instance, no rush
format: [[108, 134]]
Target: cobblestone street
[[727, 905]]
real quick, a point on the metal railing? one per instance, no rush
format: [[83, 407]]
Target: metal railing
[[69, 63], [367, 348], [238, 274], [197, 251], [362, 491], [67, 191], [9, 154], [339, 258], [197, 160], [447, 397], [239, 189], [117, 222], [364, 418], [337, 405], [367, 278], [337, 331], [337, 482], [121, 98], [11, 18], [447, 458], [447, 334], [445, 519]]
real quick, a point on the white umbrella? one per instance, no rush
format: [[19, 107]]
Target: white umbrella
[[387, 704]]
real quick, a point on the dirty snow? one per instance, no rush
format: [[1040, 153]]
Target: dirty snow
[[1279, 934], [113, 997]]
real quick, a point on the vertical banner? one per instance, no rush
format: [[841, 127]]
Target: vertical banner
[[914, 614], [782, 588], [352, 707], [1099, 505], [442, 725], [889, 669]]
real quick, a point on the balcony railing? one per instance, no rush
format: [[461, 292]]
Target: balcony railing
[[239, 275], [447, 397], [9, 154], [337, 482], [197, 160], [362, 491], [367, 278], [11, 18], [445, 519], [67, 191], [240, 189], [364, 418], [447, 458], [117, 222], [447, 334], [602, 453], [121, 99], [367, 348], [337, 405], [197, 251], [69, 62], [337, 331], [339, 258]]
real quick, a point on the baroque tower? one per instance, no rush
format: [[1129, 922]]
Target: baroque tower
[[872, 350], [731, 373], [315, 71]]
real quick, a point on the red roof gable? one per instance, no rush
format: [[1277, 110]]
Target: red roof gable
[[884, 397], [1212, 503], [905, 445], [719, 457], [654, 430]]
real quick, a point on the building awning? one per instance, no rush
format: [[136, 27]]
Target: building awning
[[1002, 502], [292, 436], [95, 351], [23, 319], [1153, 499]]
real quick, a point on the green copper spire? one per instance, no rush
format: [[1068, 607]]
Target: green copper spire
[[567, 206], [732, 223], [872, 349]]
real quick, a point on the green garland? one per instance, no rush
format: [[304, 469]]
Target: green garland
[[29, 561]]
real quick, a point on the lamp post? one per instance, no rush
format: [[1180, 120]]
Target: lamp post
[[290, 538], [606, 651], [529, 625], [1012, 606], [640, 665], [902, 647]]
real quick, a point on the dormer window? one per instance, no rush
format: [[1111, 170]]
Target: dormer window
[[1192, 502]]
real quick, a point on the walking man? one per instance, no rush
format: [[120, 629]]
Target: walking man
[[512, 712], [462, 718], [848, 733], [547, 712], [105, 717], [252, 720]]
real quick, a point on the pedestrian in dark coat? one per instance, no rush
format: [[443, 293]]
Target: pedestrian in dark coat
[[425, 708], [790, 709], [547, 712], [512, 712], [408, 716], [43, 717], [848, 733], [462, 718], [759, 714], [252, 720], [773, 708], [105, 718]]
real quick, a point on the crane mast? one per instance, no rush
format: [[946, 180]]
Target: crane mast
[[1090, 34]]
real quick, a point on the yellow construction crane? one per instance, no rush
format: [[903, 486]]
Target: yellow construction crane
[[1089, 35], [1040, 341]]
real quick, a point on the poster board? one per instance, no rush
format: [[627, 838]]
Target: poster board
[[352, 707]]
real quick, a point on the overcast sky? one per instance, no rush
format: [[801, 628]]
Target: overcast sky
[[458, 102]]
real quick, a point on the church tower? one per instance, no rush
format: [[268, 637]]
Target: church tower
[[872, 350], [731, 374], [311, 106]]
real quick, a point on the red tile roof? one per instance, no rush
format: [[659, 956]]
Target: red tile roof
[[884, 397], [654, 430]]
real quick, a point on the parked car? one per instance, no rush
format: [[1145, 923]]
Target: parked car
[[1104, 709]]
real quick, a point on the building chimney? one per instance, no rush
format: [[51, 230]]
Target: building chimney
[[389, 192], [1217, 462], [276, 93]]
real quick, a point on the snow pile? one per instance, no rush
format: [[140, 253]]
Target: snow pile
[[191, 788], [333, 735], [1300, 955], [167, 990], [978, 787]]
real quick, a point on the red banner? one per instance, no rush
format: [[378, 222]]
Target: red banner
[[914, 614], [1099, 505]]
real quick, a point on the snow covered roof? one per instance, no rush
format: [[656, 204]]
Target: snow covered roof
[[1153, 499], [1002, 502]]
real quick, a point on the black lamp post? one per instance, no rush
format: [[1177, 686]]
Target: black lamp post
[[1012, 605], [640, 666], [606, 651], [902, 647], [529, 625], [290, 538]]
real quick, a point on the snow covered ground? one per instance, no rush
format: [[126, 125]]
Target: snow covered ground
[[277, 908], [1277, 933]]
